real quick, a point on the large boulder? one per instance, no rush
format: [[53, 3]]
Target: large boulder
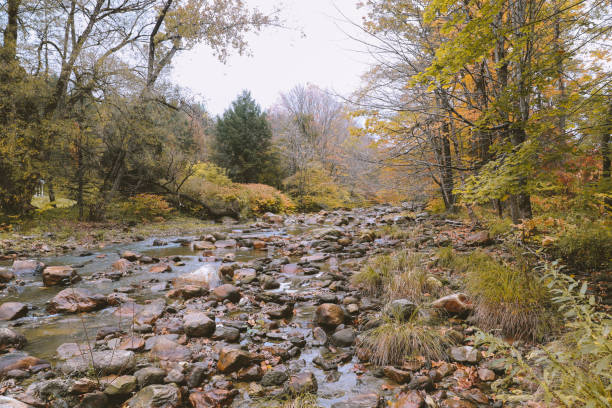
[[13, 310], [480, 238], [8, 402], [156, 396], [150, 375], [28, 266], [329, 315], [205, 276], [59, 275], [457, 303], [103, 362], [76, 300], [344, 337], [198, 324], [131, 256], [11, 339]]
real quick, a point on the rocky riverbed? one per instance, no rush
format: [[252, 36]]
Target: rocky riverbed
[[242, 316]]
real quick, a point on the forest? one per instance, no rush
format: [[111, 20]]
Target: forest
[[440, 236]]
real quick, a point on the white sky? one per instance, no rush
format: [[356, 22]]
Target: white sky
[[282, 58]]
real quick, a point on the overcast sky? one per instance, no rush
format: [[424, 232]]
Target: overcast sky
[[282, 58]]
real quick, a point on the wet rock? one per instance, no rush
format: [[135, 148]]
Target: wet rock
[[83, 386], [273, 378], [314, 258], [413, 399], [122, 385], [225, 243], [104, 362], [228, 334], [149, 375], [141, 314], [29, 266], [226, 292], [174, 376], [198, 324], [187, 292], [121, 265], [75, 300], [360, 401], [18, 360], [11, 339], [268, 282], [168, 350], [156, 396], [457, 303], [302, 383], [259, 244], [456, 403], [8, 402], [245, 275], [319, 335], [401, 309], [421, 382], [279, 311], [397, 375], [202, 246], [272, 218], [6, 275], [204, 277], [231, 360], [329, 315], [227, 271], [252, 373], [465, 354], [292, 269], [13, 310], [486, 375], [213, 398], [59, 275], [344, 337], [131, 256], [161, 268]]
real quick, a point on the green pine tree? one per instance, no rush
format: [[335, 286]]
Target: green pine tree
[[243, 143]]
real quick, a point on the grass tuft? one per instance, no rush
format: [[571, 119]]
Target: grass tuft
[[303, 401], [396, 341]]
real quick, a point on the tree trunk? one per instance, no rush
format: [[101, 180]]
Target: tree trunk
[[51, 192], [9, 49]]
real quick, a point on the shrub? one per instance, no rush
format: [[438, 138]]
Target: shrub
[[436, 206], [499, 227], [313, 190], [396, 340], [144, 207], [574, 371], [588, 246], [511, 300], [264, 198]]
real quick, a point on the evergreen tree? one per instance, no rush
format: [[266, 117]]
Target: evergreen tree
[[243, 143]]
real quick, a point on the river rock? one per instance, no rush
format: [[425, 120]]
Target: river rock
[[133, 343], [150, 375], [156, 396], [412, 399], [302, 383], [456, 403], [122, 385], [202, 246], [486, 375], [187, 292], [329, 315], [465, 354], [274, 378], [216, 397], [122, 265], [245, 275], [29, 266], [401, 309], [231, 360], [344, 337], [104, 362], [360, 401], [75, 300], [226, 292], [457, 303], [141, 314], [198, 324], [168, 350], [292, 269], [272, 218], [205, 277], [6, 275], [251, 373], [397, 375], [95, 399], [161, 268], [480, 238], [268, 282], [59, 275], [13, 310], [226, 333], [279, 311], [18, 360], [131, 256], [8, 402]]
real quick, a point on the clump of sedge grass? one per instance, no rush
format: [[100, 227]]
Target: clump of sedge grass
[[303, 401], [396, 341], [511, 300]]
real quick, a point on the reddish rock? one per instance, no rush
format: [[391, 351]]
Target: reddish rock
[[227, 291], [259, 244], [456, 403], [28, 266], [18, 361], [168, 350], [133, 343], [397, 375], [187, 292], [59, 275], [198, 324], [480, 238], [160, 268], [202, 246], [302, 383], [252, 373], [75, 300], [329, 315], [122, 265], [413, 399], [292, 269], [245, 275], [130, 256], [11, 339], [273, 218], [231, 360], [6, 275], [457, 303], [12, 310], [485, 374]]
